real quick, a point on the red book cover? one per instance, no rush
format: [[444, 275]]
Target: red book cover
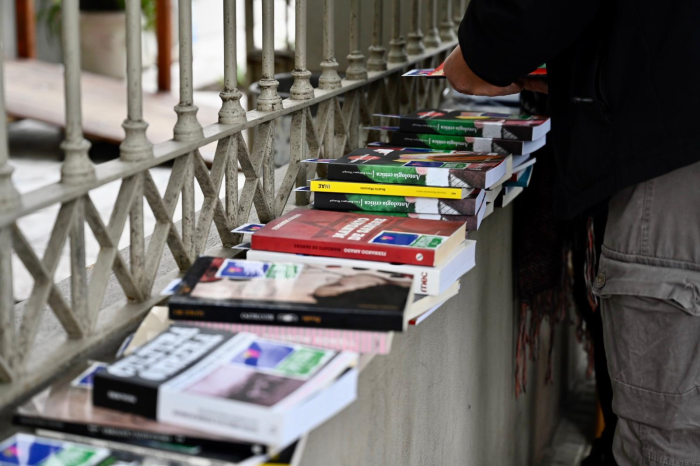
[[361, 236]]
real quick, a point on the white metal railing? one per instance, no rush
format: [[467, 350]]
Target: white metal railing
[[84, 314]]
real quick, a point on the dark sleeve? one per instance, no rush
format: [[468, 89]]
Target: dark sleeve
[[503, 40]]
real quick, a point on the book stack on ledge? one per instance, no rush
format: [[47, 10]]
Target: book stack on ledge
[[411, 183]]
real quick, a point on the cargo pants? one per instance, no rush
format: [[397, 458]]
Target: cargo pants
[[649, 285]]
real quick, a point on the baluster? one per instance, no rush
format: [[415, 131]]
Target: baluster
[[458, 10], [377, 60], [77, 167], [269, 100], [329, 75], [415, 37], [231, 110], [356, 60], [447, 31], [397, 54], [301, 89], [187, 127], [136, 145], [432, 36], [9, 198]]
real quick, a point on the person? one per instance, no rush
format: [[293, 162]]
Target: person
[[621, 80]]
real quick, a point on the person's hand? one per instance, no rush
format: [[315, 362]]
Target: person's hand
[[463, 79], [535, 84]]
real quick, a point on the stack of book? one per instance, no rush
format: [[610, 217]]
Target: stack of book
[[500, 133], [412, 183], [336, 280]]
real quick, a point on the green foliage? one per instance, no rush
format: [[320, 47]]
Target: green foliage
[[51, 11]]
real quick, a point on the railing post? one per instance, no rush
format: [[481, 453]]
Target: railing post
[[329, 75], [432, 36], [356, 60], [187, 127], [77, 167], [415, 37], [447, 31], [458, 10], [9, 197], [301, 89], [136, 145], [397, 54], [231, 110], [377, 59], [269, 100]]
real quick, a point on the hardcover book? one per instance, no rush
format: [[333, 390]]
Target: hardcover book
[[462, 143], [367, 237], [66, 406], [426, 280], [230, 384], [378, 189], [290, 294], [475, 124], [405, 166], [396, 204], [30, 450]]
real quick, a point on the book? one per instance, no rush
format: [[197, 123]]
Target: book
[[30, 450], [471, 222], [230, 384], [66, 406], [439, 72], [341, 340], [508, 195], [216, 289], [418, 205], [426, 280], [461, 143], [522, 179], [492, 193], [367, 237], [475, 124], [489, 209], [401, 166], [378, 189]]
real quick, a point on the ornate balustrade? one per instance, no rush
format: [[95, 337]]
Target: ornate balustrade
[[87, 317]]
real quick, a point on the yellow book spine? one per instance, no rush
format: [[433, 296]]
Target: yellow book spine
[[346, 187]]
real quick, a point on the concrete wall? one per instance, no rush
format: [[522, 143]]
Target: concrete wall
[[445, 394]]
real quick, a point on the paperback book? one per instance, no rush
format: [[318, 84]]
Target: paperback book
[[397, 204], [378, 189], [354, 236], [66, 406], [216, 289], [462, 143], [471, 222], [408, 167], [475, 124], [229, 384], [426, 280]]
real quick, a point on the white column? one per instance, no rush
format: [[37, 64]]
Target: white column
[[269, 99], [447, 30], [9, 198], [77, 167], [356, 60], [397, 53], [301, 89], [415, 37], [136, 145], [377, 52], [329, 75], [231, 110], [432, 36], [187, 127]]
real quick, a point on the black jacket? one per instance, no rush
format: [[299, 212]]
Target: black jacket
[[623, 83]]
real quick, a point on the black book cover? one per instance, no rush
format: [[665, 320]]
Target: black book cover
[[442, 142], [237, 291], [123, 385]]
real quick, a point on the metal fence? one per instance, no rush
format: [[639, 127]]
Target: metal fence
[[86, 316]]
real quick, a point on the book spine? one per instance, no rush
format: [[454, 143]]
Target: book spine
[[438, 141], [364, 202], [436, 126], [339, 340], [385, 189], [363, 251], [180, 310], [402, 175], [121, 395]]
